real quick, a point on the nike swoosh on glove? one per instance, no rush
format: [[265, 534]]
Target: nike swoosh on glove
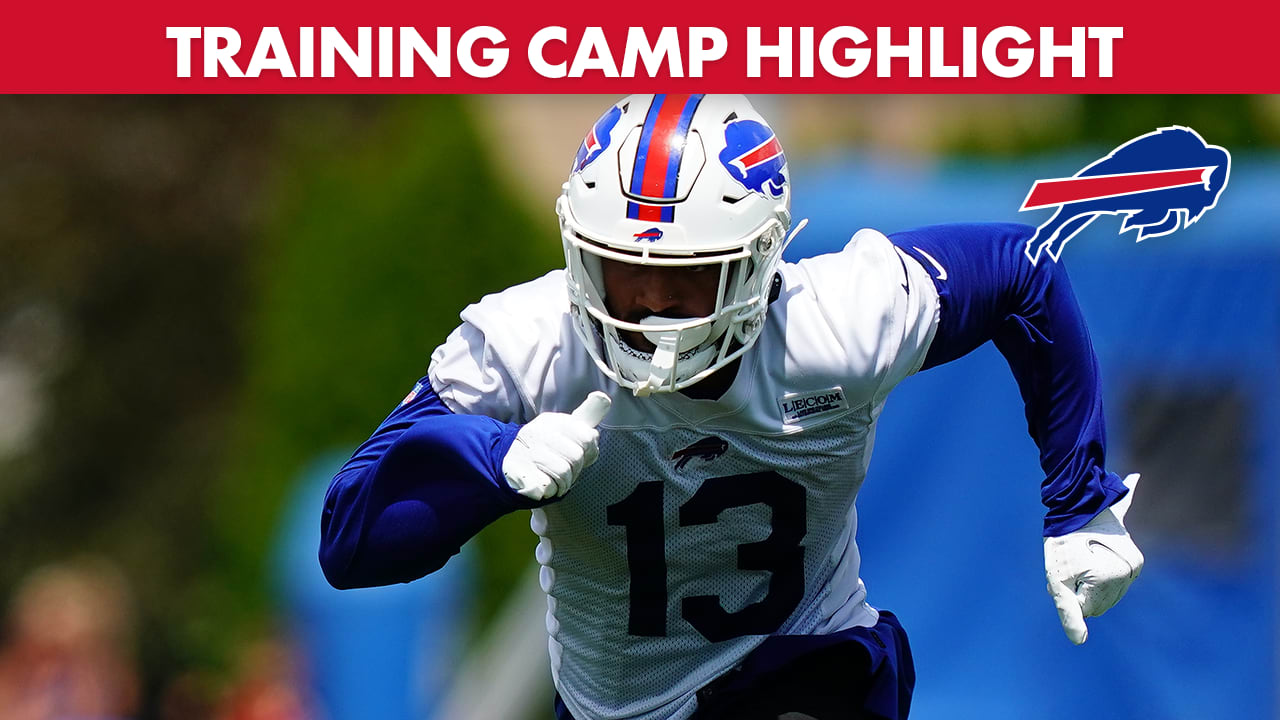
[[553, 448], [1090, 569]]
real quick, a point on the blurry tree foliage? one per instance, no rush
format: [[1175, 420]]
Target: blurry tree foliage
[[123, 243], [1237, 122], [385, 219], [226, 288]]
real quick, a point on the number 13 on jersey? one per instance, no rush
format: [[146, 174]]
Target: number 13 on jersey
[[781, 554]]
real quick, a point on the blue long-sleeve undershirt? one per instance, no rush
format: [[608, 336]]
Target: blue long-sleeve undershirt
[[411, 495], [990, 291]]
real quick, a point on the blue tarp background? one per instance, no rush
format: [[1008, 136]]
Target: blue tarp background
[[950, 514], [385, 653]]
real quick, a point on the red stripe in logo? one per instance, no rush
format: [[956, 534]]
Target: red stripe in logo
[[766, 150], [1047, 193]]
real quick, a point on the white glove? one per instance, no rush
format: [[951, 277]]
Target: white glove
[[551, 449], [1090, 569]]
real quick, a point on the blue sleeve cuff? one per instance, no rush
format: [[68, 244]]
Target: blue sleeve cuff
[[1084, 500]]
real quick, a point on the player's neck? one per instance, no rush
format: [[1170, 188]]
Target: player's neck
[[714, 386]]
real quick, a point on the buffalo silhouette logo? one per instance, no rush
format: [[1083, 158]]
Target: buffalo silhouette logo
[[753, 156], [1159, 181], [708, 449], [597, 139]]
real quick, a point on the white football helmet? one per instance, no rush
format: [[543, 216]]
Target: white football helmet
[[671, 181]]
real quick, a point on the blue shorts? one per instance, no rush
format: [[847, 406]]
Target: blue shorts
[[860, 673]]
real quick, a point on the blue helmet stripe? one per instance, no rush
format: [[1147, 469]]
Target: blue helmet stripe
[[642, 152]]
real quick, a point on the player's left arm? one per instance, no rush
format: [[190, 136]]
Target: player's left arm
[[988, 290]]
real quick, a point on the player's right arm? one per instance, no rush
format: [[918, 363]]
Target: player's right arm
[[469, 445], [424, 483], [429, 479]]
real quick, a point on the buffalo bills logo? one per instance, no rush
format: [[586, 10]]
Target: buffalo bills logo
[[753, 156], [1160, 181], [651, 235], [707, 449], [597, 139]]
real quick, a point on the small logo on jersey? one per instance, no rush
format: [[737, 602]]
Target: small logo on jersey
[[707, 449], [597, 139], [942, 272], [754, 158], [1159, 181], [651, 235], [412, 394], [799, 406]]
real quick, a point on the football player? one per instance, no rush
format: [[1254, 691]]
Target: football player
[[690, 420]]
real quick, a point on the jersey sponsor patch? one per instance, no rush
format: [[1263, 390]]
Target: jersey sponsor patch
[[799, 406]]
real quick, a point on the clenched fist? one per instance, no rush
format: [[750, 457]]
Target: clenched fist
[[1090, 569]]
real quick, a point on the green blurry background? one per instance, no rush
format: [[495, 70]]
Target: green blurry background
[[199, 295]]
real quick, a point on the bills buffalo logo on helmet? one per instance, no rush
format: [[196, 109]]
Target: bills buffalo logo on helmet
[[1159, 181], [597, 139], [653, 234], [754, 158]]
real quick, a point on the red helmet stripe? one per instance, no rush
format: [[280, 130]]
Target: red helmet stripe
[[658, 157]]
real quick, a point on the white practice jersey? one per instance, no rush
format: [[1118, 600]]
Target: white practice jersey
[[706, 525]]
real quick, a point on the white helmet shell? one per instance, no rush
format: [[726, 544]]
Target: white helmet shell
[[676, 180]]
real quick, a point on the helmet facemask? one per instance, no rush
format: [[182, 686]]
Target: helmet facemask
[[687, 349]]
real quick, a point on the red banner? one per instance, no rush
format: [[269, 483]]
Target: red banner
[[243, 46]]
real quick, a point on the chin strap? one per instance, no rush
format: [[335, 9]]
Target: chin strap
[[792, 235], [662, 368], [662, 365], [775, 287]]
